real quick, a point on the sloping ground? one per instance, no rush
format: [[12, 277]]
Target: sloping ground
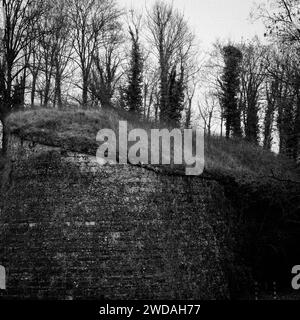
[[241, 159]]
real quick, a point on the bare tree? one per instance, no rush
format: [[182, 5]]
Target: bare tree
[[190, 94], [20, 20], [171, 38], [46, 52], [90, 20], [282, 22], [207, 111], [272, 88], [34, 67], [151, 76], [107, 71], [64, 45], [151, 79], [211, 78], [253, 74], [51, 53], [193, 77]]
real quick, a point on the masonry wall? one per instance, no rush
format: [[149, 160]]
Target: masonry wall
[[71, 229], [1, 133]]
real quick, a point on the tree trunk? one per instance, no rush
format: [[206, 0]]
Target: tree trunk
[[210, 123], [156, 113], [84, 91], [269, 120], [23, 86], [222, 120], [33, 88], [236, 123], [58, 97], [251, 127], [189, 115], [46, 92], [297, 131], [84, 96], [5, 135], [58, 76], [164, 116], [49, 75], [145, 101], [228, 126]]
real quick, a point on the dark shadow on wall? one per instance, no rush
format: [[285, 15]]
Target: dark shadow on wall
[[268, 229], [1, 134]]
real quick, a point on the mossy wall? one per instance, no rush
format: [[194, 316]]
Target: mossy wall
[[71, 229]]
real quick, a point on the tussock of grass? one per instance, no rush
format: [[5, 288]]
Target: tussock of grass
[[77, 129]]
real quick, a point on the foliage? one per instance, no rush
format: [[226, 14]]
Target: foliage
[[230, 83], [133, 92]]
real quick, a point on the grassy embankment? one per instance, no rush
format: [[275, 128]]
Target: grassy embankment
[[77, 130]]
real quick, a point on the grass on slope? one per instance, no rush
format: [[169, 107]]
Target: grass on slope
[[239, 157], [77, 130], [59, 127], [73, 130]]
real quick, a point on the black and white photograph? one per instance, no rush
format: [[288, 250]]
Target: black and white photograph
[[149, 151]]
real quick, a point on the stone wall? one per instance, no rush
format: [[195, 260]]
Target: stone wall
[[1, 133], [72, 229]]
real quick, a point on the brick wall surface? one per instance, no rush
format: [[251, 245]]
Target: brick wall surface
[[71, 229]]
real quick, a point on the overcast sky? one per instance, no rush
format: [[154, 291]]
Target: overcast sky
[[213, 19]]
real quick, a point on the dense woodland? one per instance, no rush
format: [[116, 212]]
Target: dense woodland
[[96, 54]]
